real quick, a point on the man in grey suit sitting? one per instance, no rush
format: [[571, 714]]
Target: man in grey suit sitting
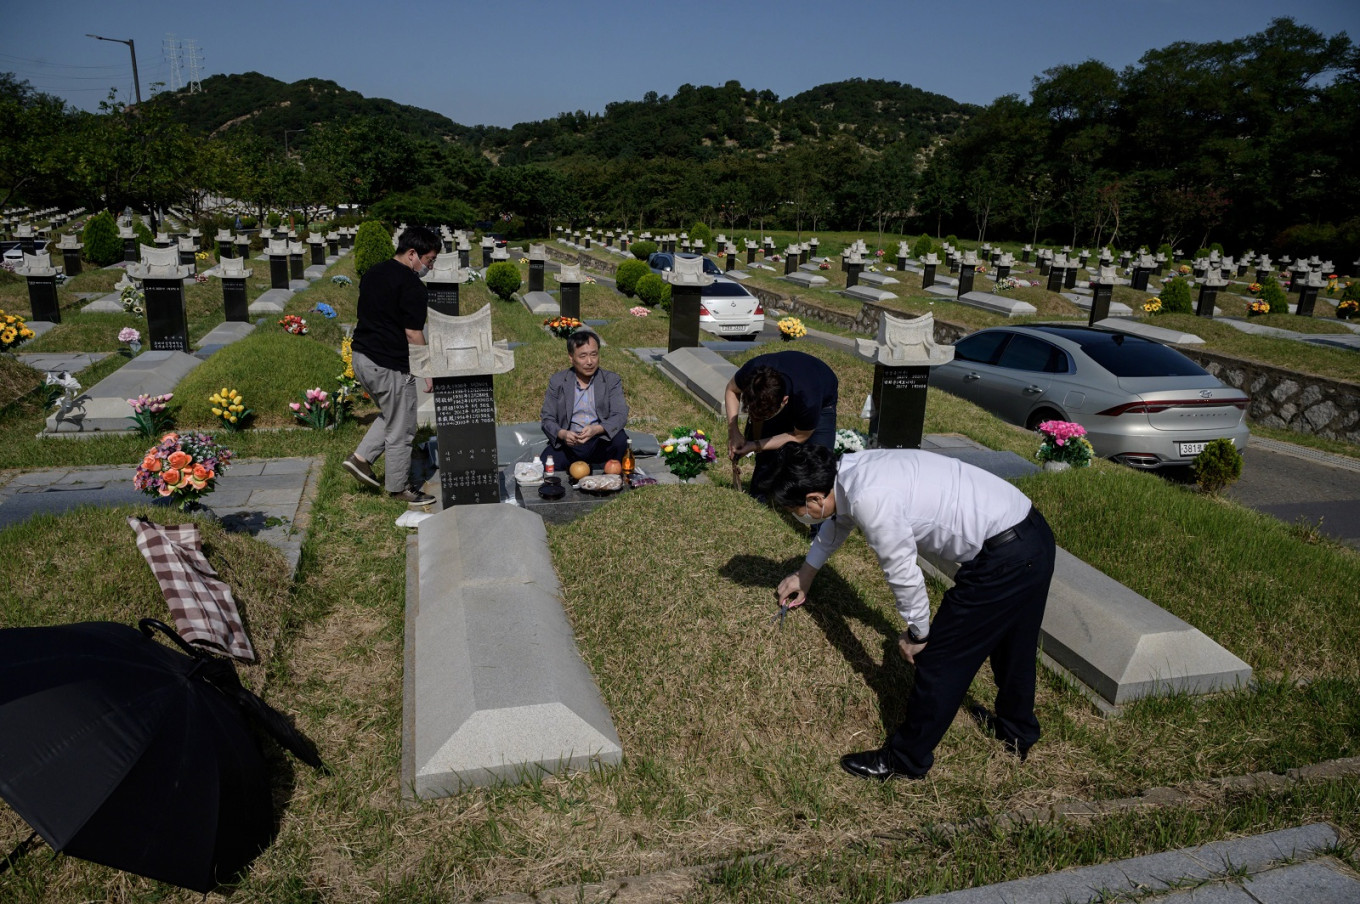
[[584, 410]]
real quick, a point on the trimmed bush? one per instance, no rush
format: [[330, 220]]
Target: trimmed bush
[[652, 290], [642, 250], [1176, 297], [144, 234], [627, 275], [1219, 465], [922, 247], [102, 244], [502, 278], [1216, 246], [372, 245], [1203, 252], [701, 231], [274, 219], [1273, 295], [1165, 248]]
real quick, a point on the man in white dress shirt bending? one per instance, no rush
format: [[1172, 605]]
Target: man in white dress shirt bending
[[905, 501]]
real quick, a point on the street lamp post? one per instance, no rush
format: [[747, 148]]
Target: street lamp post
[[136, 82]]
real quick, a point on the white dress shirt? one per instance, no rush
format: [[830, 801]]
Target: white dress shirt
[[904, 500]]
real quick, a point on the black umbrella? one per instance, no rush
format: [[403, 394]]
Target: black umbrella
[[120, 750]]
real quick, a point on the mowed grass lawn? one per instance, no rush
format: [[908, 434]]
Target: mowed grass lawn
[[731, 728]]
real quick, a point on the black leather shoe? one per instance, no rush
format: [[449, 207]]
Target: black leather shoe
[[987, 722], [877, 764]]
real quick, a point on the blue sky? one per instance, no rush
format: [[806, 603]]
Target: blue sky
[[499, 62]]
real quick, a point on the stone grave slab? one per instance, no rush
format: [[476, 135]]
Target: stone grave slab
[[810, 267], [271, 302], [314, 271], [111, 303], [1148, 331], [297, 285], [105, 406], [540, 304], [945, 292], [738, 275], [1006, 465], [867, 293], [1117, 308], [495, 689], [702, 371], [806, 280], [71, 362], [998, 304], [876, 279], [225, 333]]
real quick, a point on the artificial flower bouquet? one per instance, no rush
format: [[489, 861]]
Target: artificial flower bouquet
[[13, 331], [688, 453], [791, 328], [182, 467], [562, 327], [294, 324], [1066, 442], [229, 407]]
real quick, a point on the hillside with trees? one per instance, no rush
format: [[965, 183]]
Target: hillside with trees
[[1247, 142]]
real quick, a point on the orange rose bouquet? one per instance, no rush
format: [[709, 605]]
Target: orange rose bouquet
[[182, 468]]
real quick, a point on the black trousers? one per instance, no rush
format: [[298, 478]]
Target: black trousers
[[596, 451], [993, 611]]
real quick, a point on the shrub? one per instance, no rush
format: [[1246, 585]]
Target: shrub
[[1273, 295], [701, 231], [922, 247], [502, 278], [1165, 248], [102, 244], [372, 245], [1176, 297], [1216, 246], [653, 290], [642, 250], [627, 276], [1352, 292], [144, 234], [1203, 252], [1219, 465], [274, 219]]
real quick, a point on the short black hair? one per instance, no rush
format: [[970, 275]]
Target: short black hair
[[420, 238], [579, 338], [801, 468], [764, 392]]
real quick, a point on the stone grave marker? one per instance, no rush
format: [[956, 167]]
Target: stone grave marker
[[226, 244], [442, 285], [1056, 270], [242, 244], [1308, 293], [1070, 274], [902, 357], [131, 253], [902, 254], [687, 280], [751, 248], [277, 249], [1004, 262], [569, 298], [70, 249], [317, 245], [37, 269], [162, 277], [538, 261], [1025, 252], [296, 265], [730, 257], [1103, 286], [461, 359], [967, 267], [28, 240], [854, 266], [1208, 292], [928, 270], [233, 273], [332, 244], [790, 259], [488, 249], [1142, 269]]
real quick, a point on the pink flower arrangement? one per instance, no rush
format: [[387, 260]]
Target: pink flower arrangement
[[315, 408], [128, 334], [639, 311], [1064, 441], [1062, 431]]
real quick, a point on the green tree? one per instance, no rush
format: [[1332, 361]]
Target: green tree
[[100, 237], [372, 245]]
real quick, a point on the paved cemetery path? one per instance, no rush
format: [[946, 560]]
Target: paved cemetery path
[[1292, 483]]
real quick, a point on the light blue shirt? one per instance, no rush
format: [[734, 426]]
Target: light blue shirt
[[583, 407]]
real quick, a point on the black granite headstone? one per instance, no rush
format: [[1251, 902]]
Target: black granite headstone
[[1045, 265], [1261, 275], [1100, 302], [318, 253], [790, 264], [346, 240], [295, 265], [242, 244], [852, 272], [899, 406], [569, 300], [731, 262], [536, 268], [278, 271], [1024, 255], [901, 262], [131, 252], [167, 319], [684, 332], [28, 244], [234, 303], [965, 279], [188, 257], [1307, 299], [928, 277], [1055, 279], [42, 298], [70, 259], [465, 422], [1241, 269], [1070, 278], [333, 246], [750, 254], [1140, 279], [442, 297], [585, 242], [488, 248], [1003, 271], [1207, 296], [954, 263], [226, 248]]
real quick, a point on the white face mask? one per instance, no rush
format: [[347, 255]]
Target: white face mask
[[422, 271], [806, 517]]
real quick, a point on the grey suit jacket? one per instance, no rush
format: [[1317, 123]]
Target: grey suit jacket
[[558, 400]]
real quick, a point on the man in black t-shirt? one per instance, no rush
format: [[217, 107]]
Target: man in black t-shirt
[[391, 319], [790, 397]]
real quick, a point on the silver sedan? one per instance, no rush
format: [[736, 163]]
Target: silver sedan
[[1142, 403]]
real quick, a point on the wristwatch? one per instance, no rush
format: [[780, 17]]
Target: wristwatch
[[915, 636]]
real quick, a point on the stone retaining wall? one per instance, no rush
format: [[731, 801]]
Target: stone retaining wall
[[1288, 400], [586, 261], [1279, 398]]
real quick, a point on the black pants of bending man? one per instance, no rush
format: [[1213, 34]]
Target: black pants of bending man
[[994, 611]]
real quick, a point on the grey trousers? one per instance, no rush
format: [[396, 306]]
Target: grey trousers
[[395, 429]]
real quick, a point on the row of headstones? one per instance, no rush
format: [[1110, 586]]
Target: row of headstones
[[22, 227]]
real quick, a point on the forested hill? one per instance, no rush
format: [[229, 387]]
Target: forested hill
[[266, 107], [697, 123]]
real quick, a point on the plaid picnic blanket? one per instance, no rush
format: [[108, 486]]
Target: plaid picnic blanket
[[202, 605]]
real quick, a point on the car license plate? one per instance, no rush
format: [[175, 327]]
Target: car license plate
[[732, 328], [1191, 448]]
